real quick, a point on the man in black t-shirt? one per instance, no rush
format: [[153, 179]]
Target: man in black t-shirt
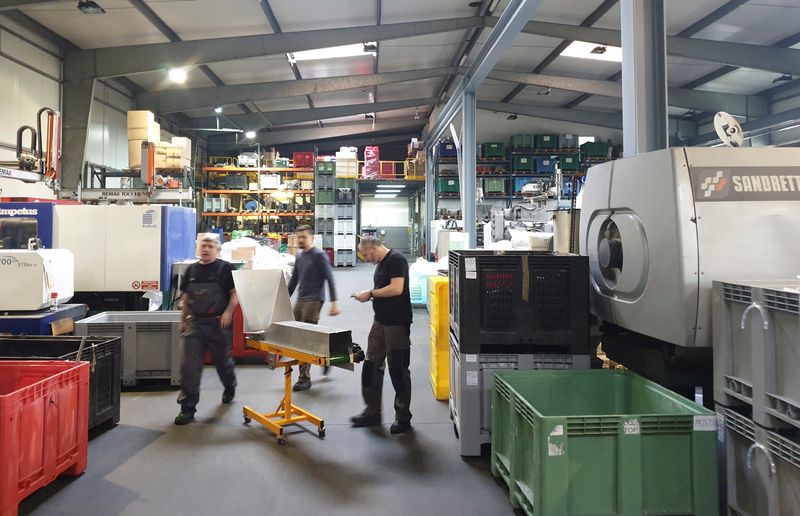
[[389, 339], [207, 305]]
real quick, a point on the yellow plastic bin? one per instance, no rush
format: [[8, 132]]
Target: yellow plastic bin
[[439, 300]]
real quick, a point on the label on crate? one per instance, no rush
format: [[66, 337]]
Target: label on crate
[[471, 358], [472, 378], [470, 268], [555, 442], [631, 427], [705, 424]]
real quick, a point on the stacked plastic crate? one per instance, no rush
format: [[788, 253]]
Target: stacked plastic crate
[[324, 210], [756, 330], [344, 216]]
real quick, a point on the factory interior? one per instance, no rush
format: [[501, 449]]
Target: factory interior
[[383, 257]]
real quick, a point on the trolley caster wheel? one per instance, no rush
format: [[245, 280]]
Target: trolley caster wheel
[[247, 420], [281, 440], [321, 432]]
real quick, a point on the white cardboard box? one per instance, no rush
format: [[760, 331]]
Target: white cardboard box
[[140, 119]]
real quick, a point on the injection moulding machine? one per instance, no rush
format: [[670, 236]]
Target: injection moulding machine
[[660, 227], [119, 249]]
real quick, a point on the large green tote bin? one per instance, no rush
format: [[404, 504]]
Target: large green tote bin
[[601, 442]]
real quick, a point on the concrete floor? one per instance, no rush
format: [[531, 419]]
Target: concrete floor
[[147, 465]]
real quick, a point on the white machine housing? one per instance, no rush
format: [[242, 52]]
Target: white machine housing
[[28, 278], [659, 227]]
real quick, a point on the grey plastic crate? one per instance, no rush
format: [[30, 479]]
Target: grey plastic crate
[[323, 226], [325, 182], [327, 240], [757, 349], [762, 468], [344, 258], [345, 211], [324, 211], [471, 380], [151, 344]]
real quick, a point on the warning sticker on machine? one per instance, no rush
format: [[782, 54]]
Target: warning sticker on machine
[[705, 423], [144, 285]]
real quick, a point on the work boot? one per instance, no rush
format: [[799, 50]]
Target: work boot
[[302, 385], [228, 395], [363, 420], [325, 370], [400, 427], [184, 418]]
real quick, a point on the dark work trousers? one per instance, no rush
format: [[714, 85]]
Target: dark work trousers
[[392, 344], [307, 312], [205, 334]]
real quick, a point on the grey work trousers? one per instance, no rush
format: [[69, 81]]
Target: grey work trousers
[[392, 344], [308, 312], [205, 335]]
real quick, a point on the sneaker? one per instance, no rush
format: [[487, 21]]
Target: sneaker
[[400, 427], [302, 385], [364, 420], [228, 395], [184, 418]]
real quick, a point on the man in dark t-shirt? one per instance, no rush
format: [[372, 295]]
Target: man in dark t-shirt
[[389, 339], [207, 305]]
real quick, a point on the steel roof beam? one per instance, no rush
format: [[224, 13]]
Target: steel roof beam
[[170, 101], [595, 118], [294, 116], [6, 5], [759, 57], [126, 60]]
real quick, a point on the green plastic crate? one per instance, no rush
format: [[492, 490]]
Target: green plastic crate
[[570, 162], [521, 141], [601, 442], [342, 182], [595, 149], [448, 185], [523, 163], [494, 186], [493, 150], [325, 196], [325, 168], [545, 141]]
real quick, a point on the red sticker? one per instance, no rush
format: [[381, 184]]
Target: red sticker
[[150, 285]]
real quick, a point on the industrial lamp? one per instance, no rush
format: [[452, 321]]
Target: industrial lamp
[[90, 7], [599, 49], [783, 78]]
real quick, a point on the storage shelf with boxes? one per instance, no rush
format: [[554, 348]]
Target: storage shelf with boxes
[[175, 154]]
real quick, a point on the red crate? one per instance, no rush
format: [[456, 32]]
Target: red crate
[[330, 254], [303, 159], [44, 409], [387, 170]]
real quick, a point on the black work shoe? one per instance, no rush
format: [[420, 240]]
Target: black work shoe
[[400, 427], [184, 418], [364, 420], [325, 370], [302, 385], [228, 395]]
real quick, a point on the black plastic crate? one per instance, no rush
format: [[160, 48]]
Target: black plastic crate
[[519, 302], [104, 355]]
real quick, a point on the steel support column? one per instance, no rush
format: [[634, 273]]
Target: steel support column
[[468, 166], [644, 76], [78, 97], [430, 196]]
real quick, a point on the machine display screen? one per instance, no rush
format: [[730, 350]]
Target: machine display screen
[[15, 233]]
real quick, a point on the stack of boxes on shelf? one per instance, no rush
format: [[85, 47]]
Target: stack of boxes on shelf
[[757, 393], [518, 310], [173, 155], [325, 182], [493, 186], [344, 222], [448, 185]]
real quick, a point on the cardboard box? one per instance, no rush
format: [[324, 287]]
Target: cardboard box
[[252, 187], [243, 254], [174, 152], [140, 119], [186, 163], [135, 153], [184, 144], [155, 133]]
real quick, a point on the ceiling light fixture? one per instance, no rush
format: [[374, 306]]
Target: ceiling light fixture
[[544, 92], [385, 196], [512, 116], [177, 75], [250, 135], [90, 7], [218, 109], [416, 113], [474, 4], [358, 49], [369, 116], [586, 50], [387, 191], [391, 186], [783, 78]]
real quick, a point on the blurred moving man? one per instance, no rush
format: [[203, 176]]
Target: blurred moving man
[[389, 339], [208, 301], [312, 269]]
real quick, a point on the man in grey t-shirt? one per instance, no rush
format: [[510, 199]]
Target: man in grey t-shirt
[[311, 270]]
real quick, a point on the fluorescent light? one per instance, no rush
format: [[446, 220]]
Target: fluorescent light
[[391, 186], [389, 191], [385, 196], [585, 50], [358, 49], [218, 109], [250, 135], [177, 75]]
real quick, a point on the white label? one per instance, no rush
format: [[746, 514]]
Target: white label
[[705, 423], [554, 449], [631, 427], [471, 275], [472, 378], [470, 265], [472, 358], [558, 430], [721, 427]]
